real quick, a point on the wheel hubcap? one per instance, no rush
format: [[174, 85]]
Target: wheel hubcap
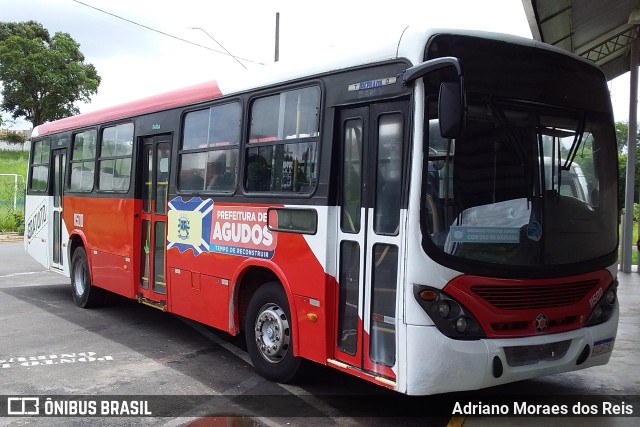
[[272, 333], [78, 279]]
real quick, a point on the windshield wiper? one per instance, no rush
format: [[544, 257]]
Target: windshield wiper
[[577, 140], [501, 121]]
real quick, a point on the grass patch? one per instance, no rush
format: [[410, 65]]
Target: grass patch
[[12, 162]]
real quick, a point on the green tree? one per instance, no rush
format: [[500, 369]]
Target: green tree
[[622, 130], [13, 137], [42, 76]]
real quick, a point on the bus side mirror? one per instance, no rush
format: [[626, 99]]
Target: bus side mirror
[[451, 110], [452, 104]]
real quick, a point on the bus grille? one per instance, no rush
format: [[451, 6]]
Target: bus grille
[[523, 297], [530, 354]]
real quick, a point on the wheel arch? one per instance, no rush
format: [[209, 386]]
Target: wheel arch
[[249, 279], [77, 240]]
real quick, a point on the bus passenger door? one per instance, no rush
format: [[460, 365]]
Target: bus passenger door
[[60, 236], [372, 140], [154, 180]]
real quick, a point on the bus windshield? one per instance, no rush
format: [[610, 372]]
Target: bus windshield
[[525, 185]]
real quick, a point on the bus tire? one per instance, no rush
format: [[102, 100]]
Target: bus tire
[[85, 295], [269, 336]]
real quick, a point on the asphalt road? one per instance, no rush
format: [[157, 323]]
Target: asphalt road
[[50, 347]]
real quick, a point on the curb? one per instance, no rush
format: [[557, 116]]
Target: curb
[[10, 237]]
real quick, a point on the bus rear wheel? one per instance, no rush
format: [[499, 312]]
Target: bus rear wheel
[[268, 334], [85, 295]]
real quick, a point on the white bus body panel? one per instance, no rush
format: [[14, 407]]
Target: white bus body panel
[[36, 228], [437, 364], [38, 234]]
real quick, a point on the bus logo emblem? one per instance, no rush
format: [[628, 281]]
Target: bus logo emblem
[[183, 227], [542, 322]]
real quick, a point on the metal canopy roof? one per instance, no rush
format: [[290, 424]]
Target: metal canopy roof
[[599, 30]]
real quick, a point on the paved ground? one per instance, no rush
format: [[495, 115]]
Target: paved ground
[[10, 237], [52, 347]]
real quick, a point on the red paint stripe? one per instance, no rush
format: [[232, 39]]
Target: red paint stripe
[[175, 98]]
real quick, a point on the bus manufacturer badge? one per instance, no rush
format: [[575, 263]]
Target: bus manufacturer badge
[[371, 84], [183, 227], [542, 322]]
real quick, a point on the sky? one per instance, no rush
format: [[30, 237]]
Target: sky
[[160, 50]]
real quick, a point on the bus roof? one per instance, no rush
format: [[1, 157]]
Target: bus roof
[[183, 96], [340, 58], [408, 44]]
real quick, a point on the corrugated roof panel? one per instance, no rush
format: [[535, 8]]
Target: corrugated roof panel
[[595, 29]]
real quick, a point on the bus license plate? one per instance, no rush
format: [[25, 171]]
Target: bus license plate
[[602, 346]]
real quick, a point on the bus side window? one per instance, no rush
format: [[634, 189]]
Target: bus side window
[[258, 171], [114, 163], [284, 136], [39, 175], [83, 161], [209, 154]]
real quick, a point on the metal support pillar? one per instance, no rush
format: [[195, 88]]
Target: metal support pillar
[[277, 53], [627, 225]]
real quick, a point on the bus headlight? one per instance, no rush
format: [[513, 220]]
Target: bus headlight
[[604, 309], [444, 309], [449, 316], [461, 325]]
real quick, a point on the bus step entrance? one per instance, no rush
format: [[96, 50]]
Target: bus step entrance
[[160, 305]]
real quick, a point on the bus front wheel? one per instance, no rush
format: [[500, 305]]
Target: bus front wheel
[[84, 294], [268, 334]]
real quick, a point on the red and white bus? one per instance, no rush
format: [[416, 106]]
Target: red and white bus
[[438, 214]]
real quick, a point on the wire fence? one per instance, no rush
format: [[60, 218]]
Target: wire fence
[[12, 191]]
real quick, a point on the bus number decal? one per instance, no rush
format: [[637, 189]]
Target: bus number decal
[[37, 220]]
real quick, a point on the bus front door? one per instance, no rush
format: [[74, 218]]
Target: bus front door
[[372, 140], [154, 180]]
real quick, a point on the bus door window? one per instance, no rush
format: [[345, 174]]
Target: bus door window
[[386, 221], [163, 153], [350, 250], [59, 162], [145, 250], [154, 180], [352, 182], [159, 281], [162, 177], [388, 184], [369, 235], [383, 304], [147, 194]]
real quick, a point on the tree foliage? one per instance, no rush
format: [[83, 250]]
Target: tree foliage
[[42, 76], [622, 130], [13, 137]]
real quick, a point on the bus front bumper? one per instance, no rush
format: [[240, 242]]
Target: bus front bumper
[[438, 364]]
